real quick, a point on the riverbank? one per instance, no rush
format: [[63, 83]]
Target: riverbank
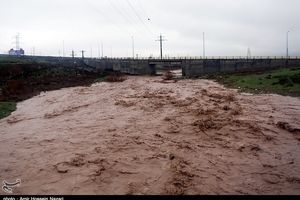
[[285, 81]]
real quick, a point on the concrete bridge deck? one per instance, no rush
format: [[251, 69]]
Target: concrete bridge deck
[[191, 66], [194, 67]]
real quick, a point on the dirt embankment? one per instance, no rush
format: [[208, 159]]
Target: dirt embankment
[[145, 136], [22, 81]]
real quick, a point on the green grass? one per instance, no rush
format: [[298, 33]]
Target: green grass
[[282, 81], [6, 108]]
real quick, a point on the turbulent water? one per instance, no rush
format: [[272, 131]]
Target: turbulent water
[[146, 136]]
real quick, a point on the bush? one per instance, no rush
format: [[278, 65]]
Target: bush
[[6, 108], [115, 77], [168, 75]]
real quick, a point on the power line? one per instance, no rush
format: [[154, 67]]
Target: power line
[[138, 16], [128, 13], [112, 22], [119, 11], [95, 8], [123, 14], [143, 10]]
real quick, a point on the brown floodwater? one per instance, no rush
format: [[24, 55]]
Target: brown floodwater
[[147, 136]]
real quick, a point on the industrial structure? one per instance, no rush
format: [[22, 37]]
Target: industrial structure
[[18, 51]]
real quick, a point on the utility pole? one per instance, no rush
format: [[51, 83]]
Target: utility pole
[[63, 48], [98, 51], [287, 44], [82, 54], [203, 45], [161, 40], [249, 53], [102, 49], [132, 47], [32, 51]]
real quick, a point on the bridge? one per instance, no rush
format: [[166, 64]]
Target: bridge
[[190, 66]]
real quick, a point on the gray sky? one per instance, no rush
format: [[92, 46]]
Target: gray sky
[[230, 26]]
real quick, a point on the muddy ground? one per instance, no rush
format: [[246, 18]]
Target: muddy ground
[[19, 82], [147, 136]]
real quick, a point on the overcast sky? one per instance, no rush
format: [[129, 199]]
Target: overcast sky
[[230, 26]]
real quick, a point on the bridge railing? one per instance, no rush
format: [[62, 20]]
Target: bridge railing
[[171, 58], [203, 58]]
